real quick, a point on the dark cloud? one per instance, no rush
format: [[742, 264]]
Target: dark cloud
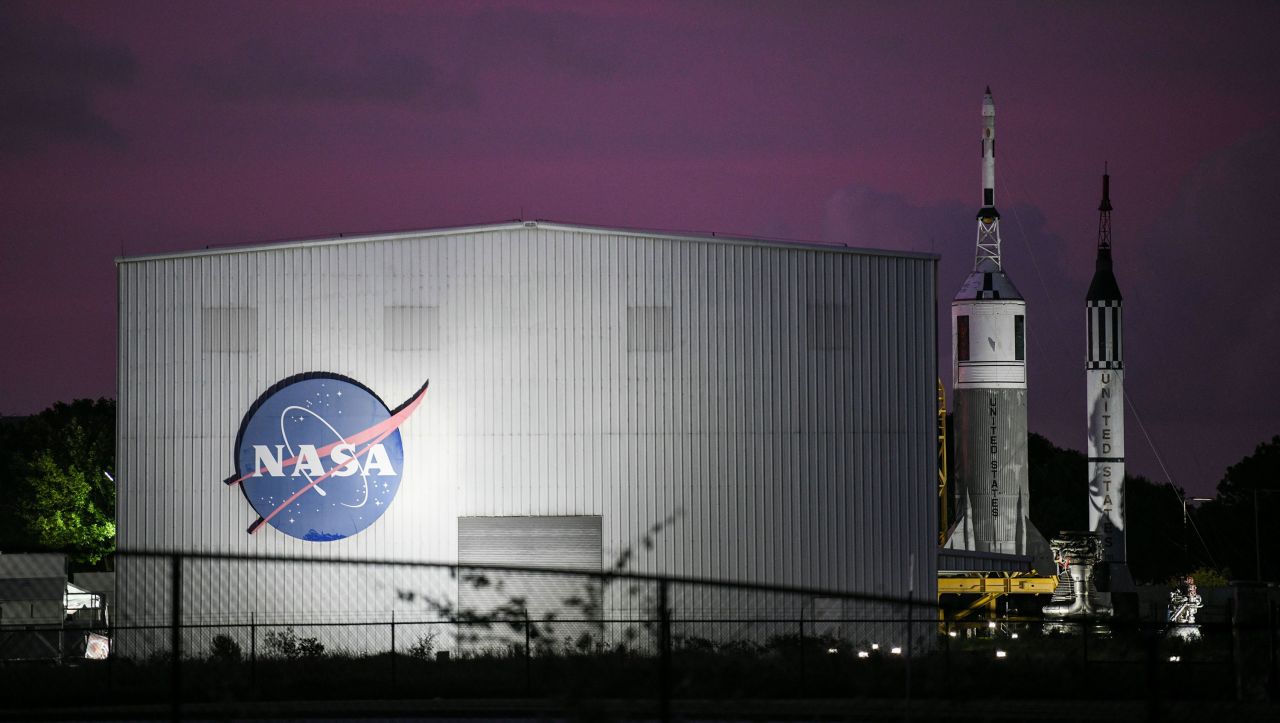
[[1210, 263], [1231, 52], [311, 68], [49, 74], [366, 58], [564, 42]]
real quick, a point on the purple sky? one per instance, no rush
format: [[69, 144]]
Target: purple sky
[[143, 127]]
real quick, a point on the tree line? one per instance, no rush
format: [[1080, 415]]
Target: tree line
[[1166, 539]]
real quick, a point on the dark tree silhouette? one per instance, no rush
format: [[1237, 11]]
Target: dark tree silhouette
[[1059, 502], [1237, 526]]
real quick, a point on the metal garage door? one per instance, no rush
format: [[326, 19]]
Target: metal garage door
[[570, 543]]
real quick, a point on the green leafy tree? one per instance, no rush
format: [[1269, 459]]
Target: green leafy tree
[[1205, 577], [58, 467]]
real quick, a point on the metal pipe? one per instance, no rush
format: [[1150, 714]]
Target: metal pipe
[[1080, 605]]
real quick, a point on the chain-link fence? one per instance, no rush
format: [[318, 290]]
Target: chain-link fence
[[512, 637]]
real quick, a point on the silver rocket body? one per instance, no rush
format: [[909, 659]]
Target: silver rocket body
[[1104, 308], [989, 373], [991, 452]]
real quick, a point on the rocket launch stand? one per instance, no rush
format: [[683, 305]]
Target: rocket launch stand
[[981, 592]]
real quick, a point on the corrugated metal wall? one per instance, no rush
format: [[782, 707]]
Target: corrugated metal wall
[[781, 448]]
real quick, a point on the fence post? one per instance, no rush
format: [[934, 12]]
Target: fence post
[[803, 679], [946, 654], [1272, 682], [393, 652], [111, 657], [664, 654], [1084, 645], [910, 610], [528, 656], [175, 638], [1153, 674], [1230, 627], [253, 653]]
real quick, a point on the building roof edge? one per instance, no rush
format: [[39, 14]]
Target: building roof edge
[[706, 237]]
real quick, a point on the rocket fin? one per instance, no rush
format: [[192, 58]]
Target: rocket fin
[[960, 536], [1037, 547]]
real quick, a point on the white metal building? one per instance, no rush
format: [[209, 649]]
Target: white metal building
[[774, 401]]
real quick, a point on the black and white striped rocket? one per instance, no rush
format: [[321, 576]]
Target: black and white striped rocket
[[989, 374], [1105, 370]]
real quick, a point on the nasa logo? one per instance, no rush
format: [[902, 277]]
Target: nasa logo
[[319, 456]]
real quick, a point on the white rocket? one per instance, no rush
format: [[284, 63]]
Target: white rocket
[[989, 373], [1105, 370]]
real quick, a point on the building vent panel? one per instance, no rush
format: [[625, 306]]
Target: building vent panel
[[649, 328], [411, 328], [829, 326], [229, 329]]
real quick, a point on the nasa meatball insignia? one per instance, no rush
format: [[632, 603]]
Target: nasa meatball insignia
[[319, 456]]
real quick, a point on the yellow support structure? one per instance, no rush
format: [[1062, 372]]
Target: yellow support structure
[[942, 464], [990, 587], [997, 585]]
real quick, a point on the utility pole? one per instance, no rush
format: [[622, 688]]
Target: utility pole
[[1186, 551]]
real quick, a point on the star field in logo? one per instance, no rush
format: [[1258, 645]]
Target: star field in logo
[[319, 456]]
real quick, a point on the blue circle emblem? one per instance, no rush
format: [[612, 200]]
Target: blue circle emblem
[[319, 458]]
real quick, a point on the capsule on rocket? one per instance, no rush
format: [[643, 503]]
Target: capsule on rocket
[[989, 154]]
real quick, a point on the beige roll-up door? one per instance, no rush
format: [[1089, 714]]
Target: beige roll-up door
[[566, 543]]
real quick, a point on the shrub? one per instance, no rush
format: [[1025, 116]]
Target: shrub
[[310, 648], [224, 649], [1207, 577], [288, 645], [424, 647]]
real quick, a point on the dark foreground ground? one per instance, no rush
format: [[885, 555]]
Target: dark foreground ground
[[1048, 711], [1049, 678]]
